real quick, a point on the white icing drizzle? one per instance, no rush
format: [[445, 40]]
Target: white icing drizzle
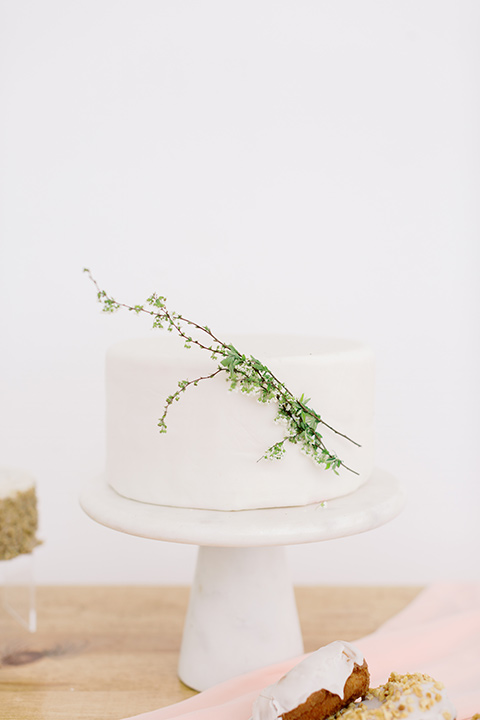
[[328, 668]]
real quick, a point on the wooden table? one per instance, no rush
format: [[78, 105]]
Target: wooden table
[[108, 653]]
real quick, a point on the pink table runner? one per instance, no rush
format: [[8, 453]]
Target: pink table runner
[[437, 634]]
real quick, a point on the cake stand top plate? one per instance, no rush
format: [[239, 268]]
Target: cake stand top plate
[[374, 504]]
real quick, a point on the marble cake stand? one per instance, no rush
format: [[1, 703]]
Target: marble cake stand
[[242, 612]]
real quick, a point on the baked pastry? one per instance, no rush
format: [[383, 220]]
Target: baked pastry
[[318, 687], [18, 513], [415, 696]]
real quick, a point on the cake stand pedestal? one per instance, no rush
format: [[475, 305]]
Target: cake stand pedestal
[[242, 613]]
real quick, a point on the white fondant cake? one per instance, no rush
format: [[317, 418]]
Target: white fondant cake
[[210, 457]]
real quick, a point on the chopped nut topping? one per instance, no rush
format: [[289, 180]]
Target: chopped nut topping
[[401, 696]]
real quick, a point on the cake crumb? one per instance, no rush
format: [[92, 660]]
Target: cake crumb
[[18, 524]]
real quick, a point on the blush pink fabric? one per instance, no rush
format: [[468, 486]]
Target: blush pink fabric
[[437, 634]]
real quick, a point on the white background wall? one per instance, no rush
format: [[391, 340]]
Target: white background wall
[[296, 165]]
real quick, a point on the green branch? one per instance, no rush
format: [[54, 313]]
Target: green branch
[[247, 373]]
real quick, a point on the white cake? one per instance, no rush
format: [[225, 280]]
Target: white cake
[[210, 457]]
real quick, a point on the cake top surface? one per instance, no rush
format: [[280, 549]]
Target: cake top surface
[[264, 346], [13, 481]]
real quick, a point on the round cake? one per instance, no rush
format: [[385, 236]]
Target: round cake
[[211, 456], [18, 513]]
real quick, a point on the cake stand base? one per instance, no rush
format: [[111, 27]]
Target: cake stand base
[[242, 612], [17, 577]]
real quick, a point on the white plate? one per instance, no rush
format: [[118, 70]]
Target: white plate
[[372, 505]]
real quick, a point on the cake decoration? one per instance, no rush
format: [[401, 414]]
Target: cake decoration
[[244, 372]]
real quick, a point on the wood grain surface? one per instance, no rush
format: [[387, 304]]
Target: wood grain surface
[[107, 653]]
